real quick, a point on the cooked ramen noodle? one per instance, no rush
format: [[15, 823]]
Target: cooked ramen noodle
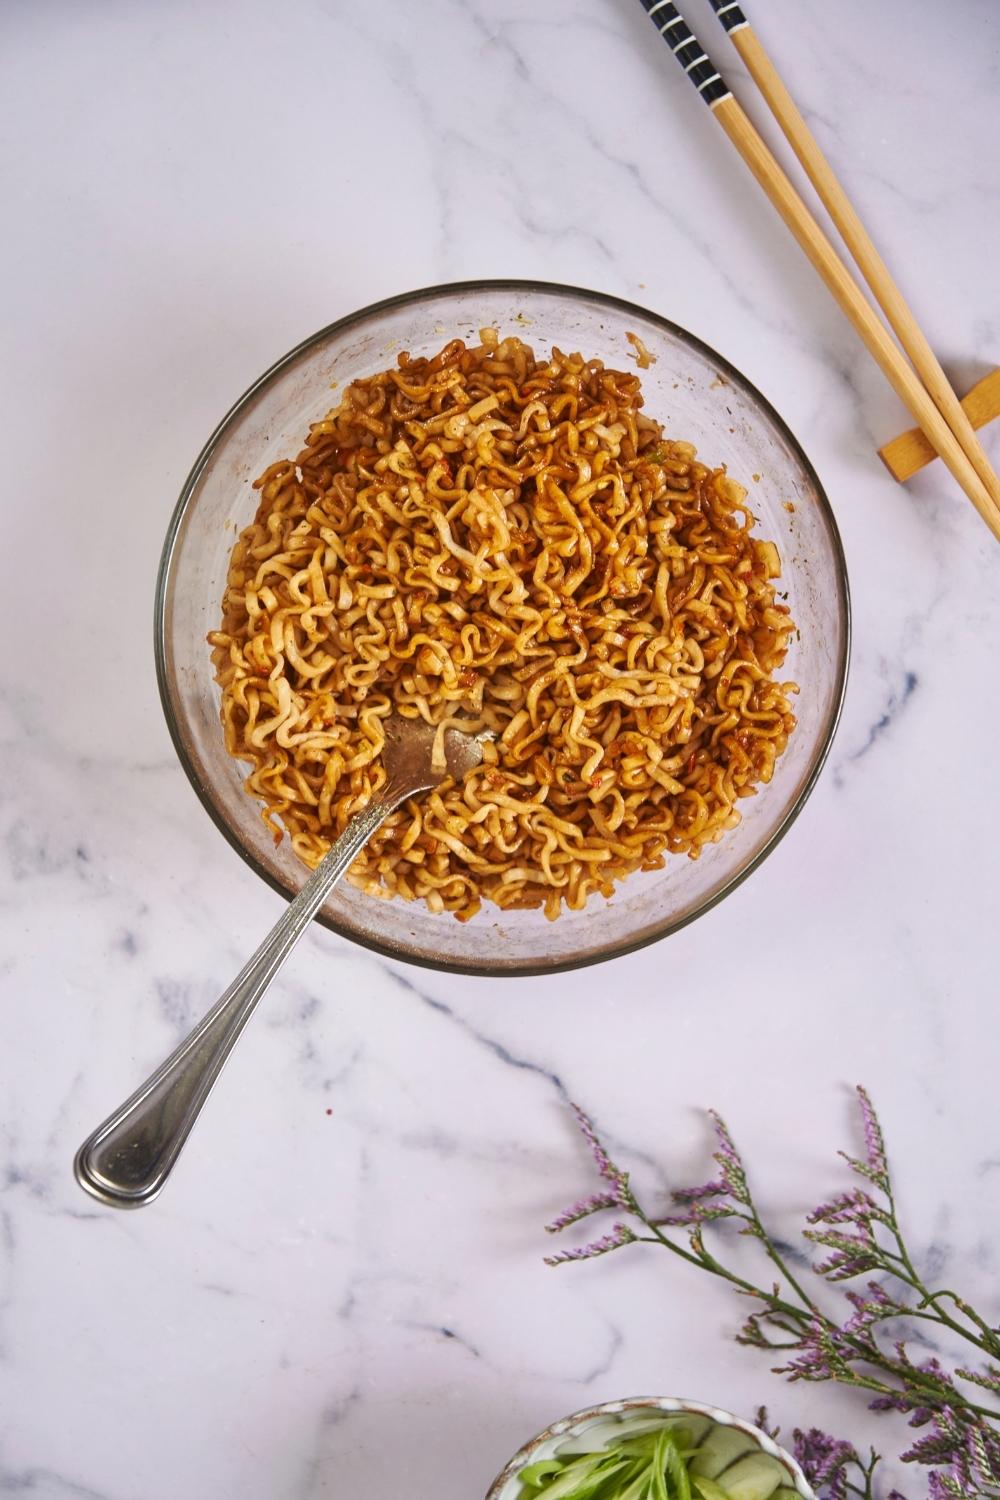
[[490, 541]]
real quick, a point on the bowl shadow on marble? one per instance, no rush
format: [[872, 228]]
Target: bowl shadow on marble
[[703, 399]]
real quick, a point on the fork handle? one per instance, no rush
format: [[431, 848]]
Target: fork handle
[[128, 1159]]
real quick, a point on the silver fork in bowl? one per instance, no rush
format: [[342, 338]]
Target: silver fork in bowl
[[128, 1159]]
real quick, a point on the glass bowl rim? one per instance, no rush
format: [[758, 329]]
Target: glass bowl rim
[[164, 577]]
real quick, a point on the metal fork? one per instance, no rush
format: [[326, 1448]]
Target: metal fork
[[127, 1160]]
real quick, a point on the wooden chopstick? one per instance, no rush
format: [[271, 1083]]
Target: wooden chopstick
[[855, 236], [848, 295]]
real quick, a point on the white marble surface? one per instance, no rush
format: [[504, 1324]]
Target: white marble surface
[[342, 1290]]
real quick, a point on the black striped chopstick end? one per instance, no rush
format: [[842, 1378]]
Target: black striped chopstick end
[[729, 14], [688, 51]]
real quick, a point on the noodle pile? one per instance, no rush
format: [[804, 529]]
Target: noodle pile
[[490, 541]]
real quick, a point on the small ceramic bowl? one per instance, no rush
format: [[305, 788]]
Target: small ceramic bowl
[[634, 1413]]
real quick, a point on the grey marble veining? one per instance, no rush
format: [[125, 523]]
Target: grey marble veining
[[342, 1290]]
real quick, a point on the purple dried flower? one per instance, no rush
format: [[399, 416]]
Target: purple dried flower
[[853, 1254], [919, 1415], [942, 1486], [824, 1460], [592, 1205], [734, 1175], [957, 1441], [888, 1403], [932, 1367], [605, 1165], [843, 1267], [936, 1448], [983, 1455], [874, 1140], [838, 1239], [989, 1378], [816, 1354], [875, 1166], [863, 1316], [715, 1189], [695, 1213], [870, 1309], [620, 1235], [624, 1197], [851, 1207]]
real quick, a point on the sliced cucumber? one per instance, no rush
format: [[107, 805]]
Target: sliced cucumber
[[708, 1489], [540, 1472], [722, 1447], [575, 1481], [755, 1477], [616, 1430], [694, 1425], [601, 1435]]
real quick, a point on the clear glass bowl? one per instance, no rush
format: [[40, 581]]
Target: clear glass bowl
[[700, 398]]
